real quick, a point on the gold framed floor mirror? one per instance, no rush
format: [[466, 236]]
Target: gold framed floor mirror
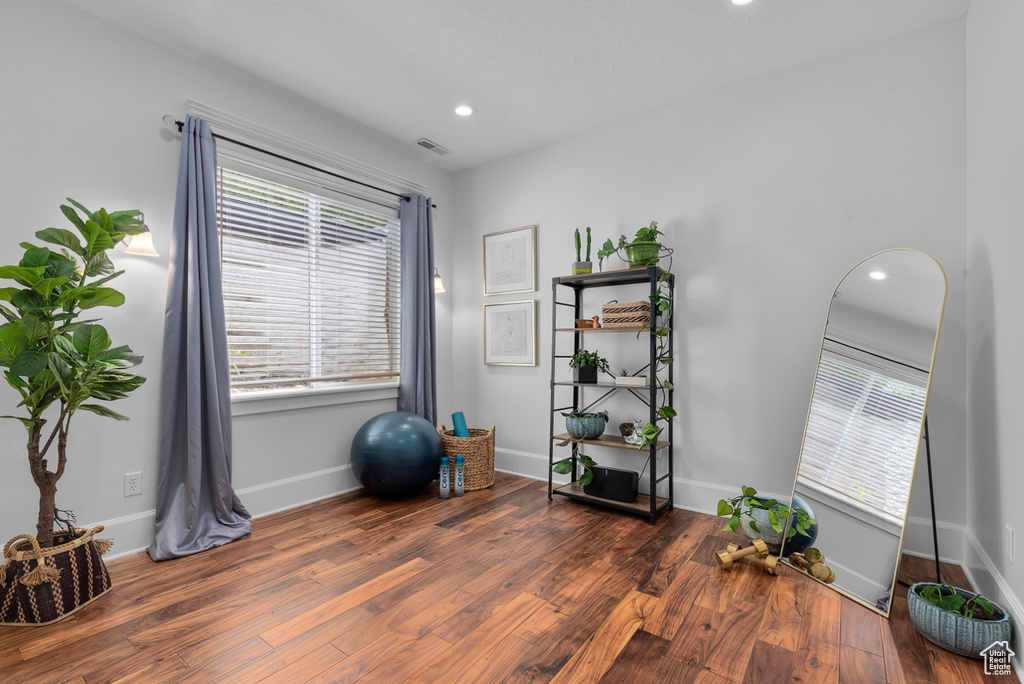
[[866, 418]]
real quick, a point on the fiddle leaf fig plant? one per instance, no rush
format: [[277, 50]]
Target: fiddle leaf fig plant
[[57, 362]]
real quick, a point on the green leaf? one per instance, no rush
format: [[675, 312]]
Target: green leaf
[[7, 292], [12, 343], [986, 604], [29, 363], [668, 385], [63, 237], [90, 340], [72, 215], [666, 412], [46, 286], [724, 508], [28, 300], [96, 238], [102, 411], [587, 478], [23, 275], [27, 422], [749, 491], [15, 381], [98, 264], [563, 467], [85, 211], [733, 523], [35, 256], [753, 525], [31, 328], [100, 296]]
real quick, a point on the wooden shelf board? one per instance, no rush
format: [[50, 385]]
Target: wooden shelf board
[[623, 276], [609, 441], [600, 330], [642, 505]]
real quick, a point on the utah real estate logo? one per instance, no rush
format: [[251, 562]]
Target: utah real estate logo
[[997, 658]]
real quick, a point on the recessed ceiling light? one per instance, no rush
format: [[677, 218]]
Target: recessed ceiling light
[[878, 275], [465, 110], [741, 2]]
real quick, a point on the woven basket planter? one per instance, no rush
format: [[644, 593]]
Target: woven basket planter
[[627, 315], [478, 452], [952, 631], [40, 586]]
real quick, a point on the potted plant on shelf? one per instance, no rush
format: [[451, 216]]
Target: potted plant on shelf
[[585, 425], [586, 364], [957, 619], [643, 250], [624, 379], [765, 519], [582, 266], [59, 364]]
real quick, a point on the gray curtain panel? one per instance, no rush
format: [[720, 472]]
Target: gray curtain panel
[[417, 385], [196, 507]]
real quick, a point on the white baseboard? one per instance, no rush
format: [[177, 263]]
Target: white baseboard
[[986, 579], [134, 533], [703, 497]]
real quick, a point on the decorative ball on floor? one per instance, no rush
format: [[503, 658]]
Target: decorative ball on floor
[[395, 455]]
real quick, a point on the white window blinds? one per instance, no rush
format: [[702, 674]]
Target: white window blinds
[[862, 422], [311, 287]]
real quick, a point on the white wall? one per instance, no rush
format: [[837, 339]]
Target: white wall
[[995, 243], [770, 191], [81, 106]]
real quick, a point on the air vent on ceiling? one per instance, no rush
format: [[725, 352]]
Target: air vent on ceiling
[[432, 146]]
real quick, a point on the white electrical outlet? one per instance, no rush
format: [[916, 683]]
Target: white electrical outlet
[[132, 484], [1008, 544]]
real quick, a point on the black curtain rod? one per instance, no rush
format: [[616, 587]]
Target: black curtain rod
[[404, 198]]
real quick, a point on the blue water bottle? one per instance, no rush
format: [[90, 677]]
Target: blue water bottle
[[460, 480], [444, 488]]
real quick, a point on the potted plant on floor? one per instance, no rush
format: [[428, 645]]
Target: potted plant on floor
[[586, 365], [957, 619], [60, 364], [582, 266], [765, 519]]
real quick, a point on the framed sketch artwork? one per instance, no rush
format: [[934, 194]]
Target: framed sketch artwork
[[510, 261], [510, 334]]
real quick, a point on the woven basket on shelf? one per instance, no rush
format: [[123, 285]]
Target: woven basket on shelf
[[627, 315], [478, 453]]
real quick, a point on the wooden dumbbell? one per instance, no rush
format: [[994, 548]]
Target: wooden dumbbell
[[769, 563], [726, 559], [818, 570]]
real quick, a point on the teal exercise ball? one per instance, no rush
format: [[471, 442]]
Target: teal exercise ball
[[395, 455]]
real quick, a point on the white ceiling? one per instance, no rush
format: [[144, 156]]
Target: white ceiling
[[537, 70]]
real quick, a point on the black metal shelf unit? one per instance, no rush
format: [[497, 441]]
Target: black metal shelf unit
[[650, 505]]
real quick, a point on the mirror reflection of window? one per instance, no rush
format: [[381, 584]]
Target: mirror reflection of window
[[863, 424]]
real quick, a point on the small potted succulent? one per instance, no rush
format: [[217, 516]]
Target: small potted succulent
[[644, 249], [586, 364], [957, 619], [765, 519], [582, 266]]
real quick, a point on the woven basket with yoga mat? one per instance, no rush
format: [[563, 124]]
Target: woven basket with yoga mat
[[478, 452], [40, 586], [627, 315]]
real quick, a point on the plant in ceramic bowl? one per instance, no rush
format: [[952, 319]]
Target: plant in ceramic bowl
[[643, 249], [765, 519], [585, 425], [957, 619]]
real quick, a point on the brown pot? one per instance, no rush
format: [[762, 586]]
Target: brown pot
[[39, 586]]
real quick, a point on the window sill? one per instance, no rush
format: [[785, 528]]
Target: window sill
[[297, 399]]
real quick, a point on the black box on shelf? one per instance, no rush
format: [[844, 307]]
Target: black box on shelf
[[616, 484]]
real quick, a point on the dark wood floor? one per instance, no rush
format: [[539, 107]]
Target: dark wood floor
[[499, 585]]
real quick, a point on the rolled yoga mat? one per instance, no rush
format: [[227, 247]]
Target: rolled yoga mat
[[459, 423]]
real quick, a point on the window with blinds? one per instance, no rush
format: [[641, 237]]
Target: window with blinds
[[311, 287], [862, 424]]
